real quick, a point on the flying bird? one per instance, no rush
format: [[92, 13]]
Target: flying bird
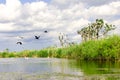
[[19, 43], [45, 31], [37, 37]]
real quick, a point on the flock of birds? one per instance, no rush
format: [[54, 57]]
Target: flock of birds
[[36, 37]]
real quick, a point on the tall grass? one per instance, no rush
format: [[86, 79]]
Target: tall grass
[[103, 49]]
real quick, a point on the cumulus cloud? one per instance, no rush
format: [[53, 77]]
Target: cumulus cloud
[[6, 27], [105, 10], [64, 3], [68, 16], [10, 11], [90, 3]]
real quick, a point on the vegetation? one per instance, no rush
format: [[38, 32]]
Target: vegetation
[[92, 48], [103, 49], [93, 30]]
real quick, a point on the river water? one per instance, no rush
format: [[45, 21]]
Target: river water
[[57, 69]]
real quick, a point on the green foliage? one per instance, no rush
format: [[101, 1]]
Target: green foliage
[[4, 54], [104, 49], [42, 53], [107, 48]]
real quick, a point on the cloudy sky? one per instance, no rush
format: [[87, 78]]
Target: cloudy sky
[[26, 18]]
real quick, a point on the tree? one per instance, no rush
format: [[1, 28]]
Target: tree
[[63, 39], [108, 28], [7, 50], [98, 26], [93, 30]]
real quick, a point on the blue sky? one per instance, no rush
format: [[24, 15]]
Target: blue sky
[[2, 1], [27, 18], [26, 1]]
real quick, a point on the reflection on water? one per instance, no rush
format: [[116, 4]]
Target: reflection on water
[[37, 68], [99, 70], [57, 69], [35, 65]]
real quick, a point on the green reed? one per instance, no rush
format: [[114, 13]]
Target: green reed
[[102, 49]]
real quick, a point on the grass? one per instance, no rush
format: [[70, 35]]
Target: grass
[[103, 49]]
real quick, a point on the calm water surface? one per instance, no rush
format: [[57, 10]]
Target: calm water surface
[[57, 69]]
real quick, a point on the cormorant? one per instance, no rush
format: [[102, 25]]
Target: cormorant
[[45, 31], [19, 43], [37, 37]]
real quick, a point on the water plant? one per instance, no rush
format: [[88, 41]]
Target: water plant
[[102, 49]]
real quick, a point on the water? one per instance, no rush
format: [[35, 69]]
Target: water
[[57, 69]]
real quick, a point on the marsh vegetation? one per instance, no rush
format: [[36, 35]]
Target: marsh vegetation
[[92, 47], [103, 49]]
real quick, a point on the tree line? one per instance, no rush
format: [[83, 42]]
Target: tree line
[[92, 31]]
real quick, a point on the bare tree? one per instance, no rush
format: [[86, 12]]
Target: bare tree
[[63, 39]]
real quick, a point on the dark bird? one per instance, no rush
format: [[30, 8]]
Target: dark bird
[[37, 37], [45, 31], [19, 43]]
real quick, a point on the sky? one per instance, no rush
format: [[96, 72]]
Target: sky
[[27, 18]]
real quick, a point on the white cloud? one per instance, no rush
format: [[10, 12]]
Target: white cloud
[[37, 7], [104, 10], [6, 27], [115, 4], [10, 11], [64, 2], [58, 16], [60, 2], [77, 25], [116, 22]]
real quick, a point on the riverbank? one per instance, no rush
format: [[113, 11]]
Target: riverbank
[[102, 49]]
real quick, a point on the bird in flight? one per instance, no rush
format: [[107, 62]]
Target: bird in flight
[[19, 43], [37, 37], [45, 31]]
